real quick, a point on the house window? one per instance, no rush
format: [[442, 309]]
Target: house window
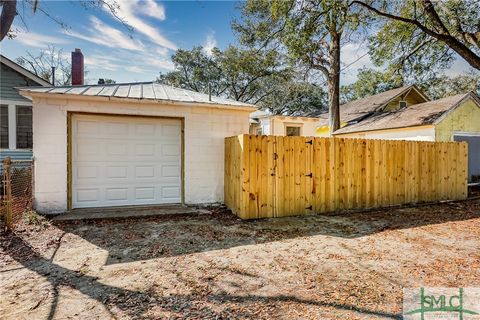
[[292, 131], [403, 104], [3, 126], [24, 127]]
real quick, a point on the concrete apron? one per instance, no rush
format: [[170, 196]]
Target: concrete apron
[[124, 212]]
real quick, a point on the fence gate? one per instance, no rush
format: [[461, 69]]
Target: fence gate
[[270, 176]]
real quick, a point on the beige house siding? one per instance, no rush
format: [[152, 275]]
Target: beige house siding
[[465, 118]]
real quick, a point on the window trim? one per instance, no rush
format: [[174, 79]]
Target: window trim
[[290, 124], [12, 122]]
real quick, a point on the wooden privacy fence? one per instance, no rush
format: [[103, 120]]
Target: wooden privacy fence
[[270, 176]]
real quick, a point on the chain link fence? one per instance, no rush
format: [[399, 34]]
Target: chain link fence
[[16, 191]]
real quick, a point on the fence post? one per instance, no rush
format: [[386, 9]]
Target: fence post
[[7, 183]]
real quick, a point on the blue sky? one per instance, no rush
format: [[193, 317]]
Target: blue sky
[[106, 44], [159, 29]]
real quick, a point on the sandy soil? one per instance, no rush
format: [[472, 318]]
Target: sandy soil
[[218, 267]]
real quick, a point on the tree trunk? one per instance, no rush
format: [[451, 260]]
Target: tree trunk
[[9, 11], [334, 84]]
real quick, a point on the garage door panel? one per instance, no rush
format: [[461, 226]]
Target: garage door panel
[[116, 172], [170, 192], [145, 130], [127, 161], [145, 149], [170, 131], [118, 129], [88, 195], [145, 193], [113, 194], [88, 127]]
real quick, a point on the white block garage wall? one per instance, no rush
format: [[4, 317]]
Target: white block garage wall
[[205, 130]]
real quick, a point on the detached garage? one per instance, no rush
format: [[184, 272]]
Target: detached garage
[[129, 144]]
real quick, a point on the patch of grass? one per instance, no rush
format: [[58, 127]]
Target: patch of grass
[[33, 218]]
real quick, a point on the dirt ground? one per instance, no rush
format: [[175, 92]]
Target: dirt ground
[[215, 266]]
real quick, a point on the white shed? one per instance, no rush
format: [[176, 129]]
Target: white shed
[[129, 144]]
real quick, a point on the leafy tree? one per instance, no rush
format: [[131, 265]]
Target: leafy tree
[[418, 37], [106, 81], [294, 97], [195, 70], [444, 86], [41, 64], [247, 75], [311, 31], [236, 73], [369, 82]]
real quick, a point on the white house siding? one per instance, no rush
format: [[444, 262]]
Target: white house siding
[[424, 133], [205, 130]]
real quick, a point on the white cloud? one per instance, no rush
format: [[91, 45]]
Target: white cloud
[[39, 40], [354, 56], [155, 61], [129, 10], [135, 69], [105, 35], [103, 62], [210, 43], [153, 9]]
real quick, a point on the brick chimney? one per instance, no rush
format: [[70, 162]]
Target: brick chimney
[[77, 68]]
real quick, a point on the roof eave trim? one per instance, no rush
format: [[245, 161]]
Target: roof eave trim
[[64, 96]]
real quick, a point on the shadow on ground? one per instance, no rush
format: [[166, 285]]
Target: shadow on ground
[[122, 303], [142, 239]]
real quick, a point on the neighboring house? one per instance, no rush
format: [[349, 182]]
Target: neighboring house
[[385, 116], [16, 136], [356, 111], [130, 144], [263, 123]]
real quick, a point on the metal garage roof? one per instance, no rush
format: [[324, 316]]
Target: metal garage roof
[[144, 90]]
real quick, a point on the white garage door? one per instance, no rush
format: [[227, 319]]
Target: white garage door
[[120, 160]]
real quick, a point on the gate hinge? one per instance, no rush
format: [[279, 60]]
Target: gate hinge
[[309, 208], [309, 142], [309, 175]]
